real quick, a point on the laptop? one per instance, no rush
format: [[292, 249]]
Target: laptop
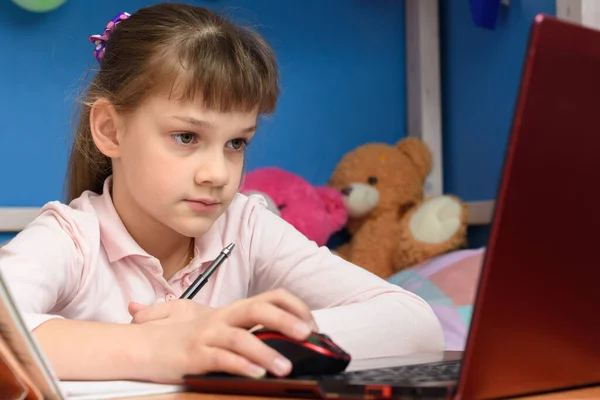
[[536, 321]]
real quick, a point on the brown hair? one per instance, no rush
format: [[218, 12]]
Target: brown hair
[[182, 49]]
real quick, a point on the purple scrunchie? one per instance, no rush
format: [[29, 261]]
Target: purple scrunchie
[[100, 40]]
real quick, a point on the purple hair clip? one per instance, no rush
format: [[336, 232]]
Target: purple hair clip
[[100, 40]]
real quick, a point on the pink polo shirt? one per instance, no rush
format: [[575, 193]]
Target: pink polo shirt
[[79, 262]]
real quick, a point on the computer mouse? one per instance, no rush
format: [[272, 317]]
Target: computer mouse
[[317, 355]]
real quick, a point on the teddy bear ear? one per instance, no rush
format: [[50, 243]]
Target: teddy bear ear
[[418, 152]]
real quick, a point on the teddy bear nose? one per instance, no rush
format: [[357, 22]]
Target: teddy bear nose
[[347, 190]]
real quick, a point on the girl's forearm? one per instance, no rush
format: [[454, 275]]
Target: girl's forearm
[[86, 350]]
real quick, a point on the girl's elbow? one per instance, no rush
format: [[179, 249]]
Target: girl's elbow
[[426, 334], [430, 334]]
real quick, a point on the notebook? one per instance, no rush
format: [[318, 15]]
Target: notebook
[[99, 390], [25, 373]]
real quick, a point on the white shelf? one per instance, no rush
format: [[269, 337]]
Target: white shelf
[[585, 12], [14, 219]]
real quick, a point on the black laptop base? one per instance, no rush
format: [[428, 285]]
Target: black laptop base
[[431, 381]]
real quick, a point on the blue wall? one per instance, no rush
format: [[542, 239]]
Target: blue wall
[[342, 65], [481, 70]]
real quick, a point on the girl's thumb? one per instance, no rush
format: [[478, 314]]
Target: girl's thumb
[[134, 307]]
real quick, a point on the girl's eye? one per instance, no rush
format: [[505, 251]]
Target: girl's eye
[[185, 137], [238, 144]]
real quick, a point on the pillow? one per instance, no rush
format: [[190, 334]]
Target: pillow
[[449, 284]]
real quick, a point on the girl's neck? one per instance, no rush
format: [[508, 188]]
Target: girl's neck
[[173, 250]]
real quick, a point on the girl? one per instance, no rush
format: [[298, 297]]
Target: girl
[[153, 183]]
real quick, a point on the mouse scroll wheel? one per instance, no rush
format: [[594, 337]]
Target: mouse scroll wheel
[[337, 350], [326, 340]]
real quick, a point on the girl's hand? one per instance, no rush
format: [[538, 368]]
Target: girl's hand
[[195, 339]]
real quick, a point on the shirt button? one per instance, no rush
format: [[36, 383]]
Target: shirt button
[[170, 297]]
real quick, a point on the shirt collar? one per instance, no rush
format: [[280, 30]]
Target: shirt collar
[[119, 244]]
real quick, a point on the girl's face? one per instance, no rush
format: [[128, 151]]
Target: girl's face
[[181, 164]]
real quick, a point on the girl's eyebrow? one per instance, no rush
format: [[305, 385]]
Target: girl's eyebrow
[[249, 129], [207, 125], [194, 121]]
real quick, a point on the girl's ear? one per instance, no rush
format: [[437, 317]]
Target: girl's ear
[[103, 126]]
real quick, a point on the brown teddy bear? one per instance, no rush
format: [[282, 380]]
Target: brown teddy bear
[[391, 225]]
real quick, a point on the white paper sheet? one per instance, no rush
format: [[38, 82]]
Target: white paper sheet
[[99, 390]]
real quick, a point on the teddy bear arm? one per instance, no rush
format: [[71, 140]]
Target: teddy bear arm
[[342, 251], [433, 227], [372, 248]]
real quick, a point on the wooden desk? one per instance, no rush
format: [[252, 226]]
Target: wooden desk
[[581, 394]]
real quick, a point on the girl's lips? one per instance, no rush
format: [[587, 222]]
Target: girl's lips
[[203, 205]]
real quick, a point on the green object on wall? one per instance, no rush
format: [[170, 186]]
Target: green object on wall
[[39, 5]]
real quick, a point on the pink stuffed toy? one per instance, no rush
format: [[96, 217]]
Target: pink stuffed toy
[[316, 211]]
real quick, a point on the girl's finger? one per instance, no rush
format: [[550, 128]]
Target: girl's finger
[[244, 343], [152, 313], [215, 359], [292, 304], [134, 307], [270, 316]]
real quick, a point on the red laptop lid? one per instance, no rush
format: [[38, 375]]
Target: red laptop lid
[[536, 326]]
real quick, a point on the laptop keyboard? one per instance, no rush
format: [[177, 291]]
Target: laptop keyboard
[[421, 373]]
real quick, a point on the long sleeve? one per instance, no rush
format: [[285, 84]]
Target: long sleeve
[[39, 267], [364, 314]]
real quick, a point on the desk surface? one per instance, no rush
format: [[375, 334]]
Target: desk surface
[[581, 394]]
